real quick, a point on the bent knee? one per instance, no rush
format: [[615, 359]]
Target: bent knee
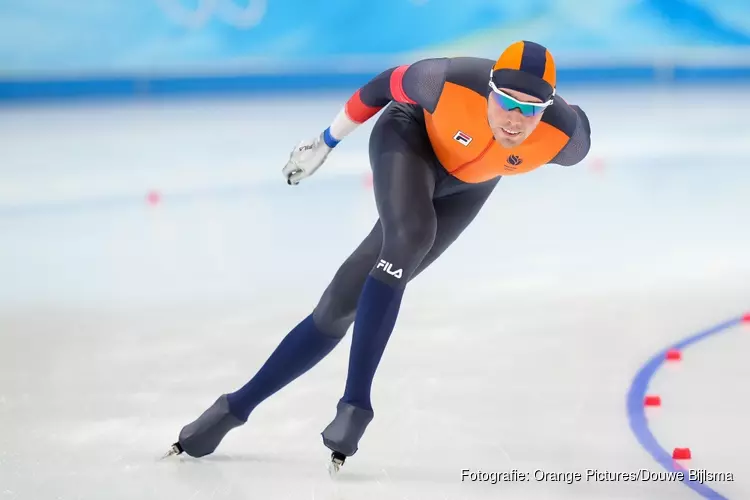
[[413, 237], [404, 248]]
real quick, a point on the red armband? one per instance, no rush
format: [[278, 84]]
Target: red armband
[[358, 111], [397, 85]]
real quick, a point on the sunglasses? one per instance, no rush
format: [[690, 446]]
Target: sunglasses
[[509, 103]]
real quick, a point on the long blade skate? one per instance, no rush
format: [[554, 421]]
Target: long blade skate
[[337, 460], [202, 436], [343, 434], [174, 450]]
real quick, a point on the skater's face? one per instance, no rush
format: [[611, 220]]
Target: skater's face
[[512, 127]]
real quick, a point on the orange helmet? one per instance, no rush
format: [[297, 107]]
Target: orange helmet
[[526, 67]]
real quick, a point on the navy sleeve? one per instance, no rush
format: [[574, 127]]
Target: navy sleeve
[[579, 144]]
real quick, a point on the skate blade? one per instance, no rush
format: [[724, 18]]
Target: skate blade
[[333, 469], [173, 451], [334, 466]]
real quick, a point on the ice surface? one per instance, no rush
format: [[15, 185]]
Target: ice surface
[[120, 322]]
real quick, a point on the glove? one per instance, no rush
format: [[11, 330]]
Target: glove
[[305, 159]]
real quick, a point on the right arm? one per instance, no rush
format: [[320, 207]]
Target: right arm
[[419, 83]]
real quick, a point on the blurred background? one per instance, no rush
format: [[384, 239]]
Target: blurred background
[[167, 46], [109, 103], [152, 256]]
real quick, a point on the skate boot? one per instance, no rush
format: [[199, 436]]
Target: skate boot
[[343, 434], [202, 436]]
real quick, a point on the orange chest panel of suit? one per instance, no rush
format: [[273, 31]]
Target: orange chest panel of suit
[[464, 144]]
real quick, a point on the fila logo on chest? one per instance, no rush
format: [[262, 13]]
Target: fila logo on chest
[[463, 138]]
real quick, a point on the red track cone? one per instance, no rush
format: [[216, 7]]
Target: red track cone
[[674, 355], [652, 401]]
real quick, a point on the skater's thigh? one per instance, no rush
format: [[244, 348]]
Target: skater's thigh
[[454, 214], [403, 169]]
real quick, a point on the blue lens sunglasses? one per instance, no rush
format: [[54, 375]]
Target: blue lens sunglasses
[[509, 103]]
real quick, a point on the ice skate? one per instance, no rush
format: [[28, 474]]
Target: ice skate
[[343, 434], [202, 437], [175, 449], [337, 460]]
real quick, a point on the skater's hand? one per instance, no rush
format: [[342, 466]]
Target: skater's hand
[[305, 159]]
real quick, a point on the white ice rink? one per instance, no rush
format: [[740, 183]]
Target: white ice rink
[[526, 346]]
